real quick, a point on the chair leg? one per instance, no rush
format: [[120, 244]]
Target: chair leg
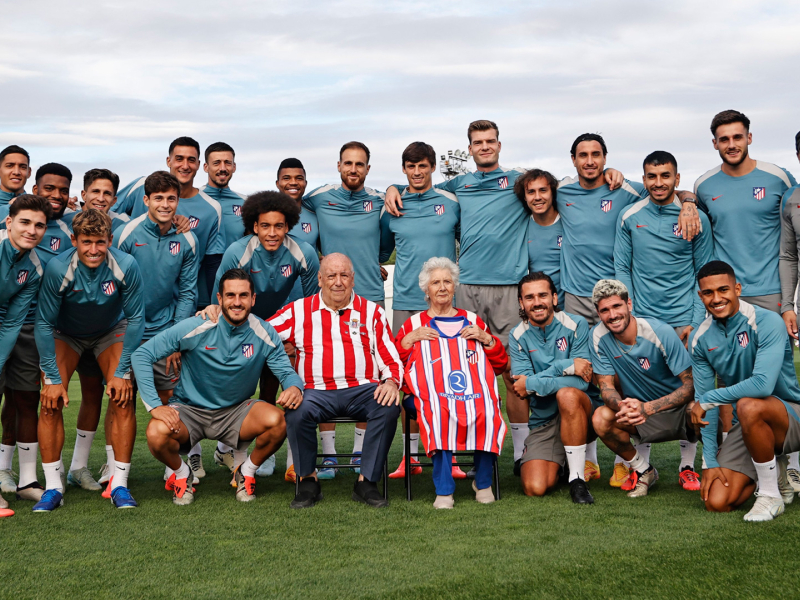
[[386, 479], [407, 456], [496, 478]]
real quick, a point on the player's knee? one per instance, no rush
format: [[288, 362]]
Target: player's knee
[[157, 433], [569, 399], [602, 419], [534, 486], [748, 410], [275, 421], [718, 503]]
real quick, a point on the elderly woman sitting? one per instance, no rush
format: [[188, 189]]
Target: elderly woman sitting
[[451, 363]]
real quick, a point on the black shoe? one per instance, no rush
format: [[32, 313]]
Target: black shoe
[[308, 494], [517, 467], [367, 492], [580, 492]]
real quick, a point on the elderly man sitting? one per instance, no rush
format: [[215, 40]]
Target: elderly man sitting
[[349, 366]]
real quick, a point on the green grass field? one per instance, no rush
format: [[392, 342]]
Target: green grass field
[[661, 546]]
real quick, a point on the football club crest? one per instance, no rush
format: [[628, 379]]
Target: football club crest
[[174, 248], [472, 357], [676, 231], [108, 287], [644, 363], [759, 193], [193, 222], [558, 240], [605, 205], [743, 339], [367, 205], [438, 209], [237, 210], [561, 344], [306, 227], [247, 350], [55, 243], [286, 270], [503, 182], [22, 276]]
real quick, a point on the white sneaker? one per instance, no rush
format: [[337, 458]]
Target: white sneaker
[[792, 474], [196, 464], [444, 502], [7, 483], [266, 468], [224, 459], [786, 489], [766, 508], [83, 478], [105, 475]]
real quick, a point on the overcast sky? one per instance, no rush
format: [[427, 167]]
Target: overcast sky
[[99, 84]]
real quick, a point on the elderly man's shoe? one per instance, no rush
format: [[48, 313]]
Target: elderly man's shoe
[[308, 494], [367, 492]]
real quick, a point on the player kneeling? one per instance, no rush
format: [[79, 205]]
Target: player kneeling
[[221, 365], [550, 364]]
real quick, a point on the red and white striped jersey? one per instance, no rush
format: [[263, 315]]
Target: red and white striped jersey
[[341, 349], [455, 389]]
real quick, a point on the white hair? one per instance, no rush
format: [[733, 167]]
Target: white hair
[[606, 288], [431, 265]]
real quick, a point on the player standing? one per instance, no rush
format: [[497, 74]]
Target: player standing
[[15, 169], [220, 164]]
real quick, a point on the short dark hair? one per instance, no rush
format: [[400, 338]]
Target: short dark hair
[[482, 125], [184, 140], [521, 184], [30, 202], [588, 137], [530, 277], [235, 274], [290, 163], [263, 202], [417, 152], [658, 158], [161, 181], [93, 175], [726, 117], [219, 147], [797, 142], [354, 146], [53, 169], [14, 149], [715, 267]]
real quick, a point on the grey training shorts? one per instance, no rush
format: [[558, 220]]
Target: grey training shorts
[[544, 442], [665, 426], [221, 424], [769, 301], [581, 306], [401, 316], [497, 305], [21, 371], [96, 343]]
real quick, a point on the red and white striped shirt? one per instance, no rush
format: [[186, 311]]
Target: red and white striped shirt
[[341, 349]]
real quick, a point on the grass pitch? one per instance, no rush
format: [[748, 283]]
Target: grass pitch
[[661, 546]]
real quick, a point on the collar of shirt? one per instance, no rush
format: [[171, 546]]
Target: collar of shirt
[[322, 306], [152, 227]]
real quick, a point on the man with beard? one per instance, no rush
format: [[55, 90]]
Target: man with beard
[[220, 164], [15, 169]]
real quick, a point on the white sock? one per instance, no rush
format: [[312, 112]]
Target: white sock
[[121, 471], [169, 472], [618, 459], [724, 435], [239, 456], [591, 452], [519, 432], [358, 439], [639, 463], [196, 450], [183, 471], [414, 443], [6, 456], [644, 450], [223, 448], [110, 456], [688, 454], [794, 461], [249, 468], [27, 463], [83, 445], [289, 458], [328, 442], [576, 460], [768, 478], [52, 475]]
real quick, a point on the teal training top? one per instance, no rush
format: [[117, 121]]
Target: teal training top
[[544, 251], [231, 204]]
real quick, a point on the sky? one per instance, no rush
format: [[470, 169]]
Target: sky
[[105, 84]]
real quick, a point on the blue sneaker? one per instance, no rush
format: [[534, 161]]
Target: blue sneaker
[[330, 472], [121, 498], [356, 460], [50, 501]]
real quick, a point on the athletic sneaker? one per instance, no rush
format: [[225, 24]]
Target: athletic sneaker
[[245, 486], [290, 475], [329, 472], [196, 465], [105, 474], [266, 468], [766, 508], [517, 467], [224, 459], [457, 472], [107, 492], [121, 498], [591, 470], [400, 472], [579, 492], [794, 479], [7, 482], [182, 493], [688, 479], [33, 491], [83, 478], [642, 482], [62, 475], [619, 476], [485, 496], [356, 460], [471, 473], [4, 510], [50, 501], [167, 473], [785, 488]]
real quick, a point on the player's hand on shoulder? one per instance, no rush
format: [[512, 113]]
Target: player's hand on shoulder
[[685, 335], [387, 393], [688, 219], [393, 201], [290, 398], [613, 178], [168, 415], [210, 312], [181, 223]]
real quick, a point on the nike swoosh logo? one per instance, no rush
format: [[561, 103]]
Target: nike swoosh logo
[[58, 468], [80, 290], [332, 204], [714, 348], [26, 449], [616, 357], [569, 204], [137, 244], [209, 348], [637, 227], [81, 435], [435, 360], [254, 271], [119, 334], [122, 468], [720, 196], [531, 350], [772, 468], [470, 185]]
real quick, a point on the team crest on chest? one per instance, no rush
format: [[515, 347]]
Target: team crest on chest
[[247, 350], [743, 339], [561, 344], [55, 243], [644, 363], [193, 222], [306, 227], [286, 270], [367, 204], [108, 287], [22, 276], [676, 231], [237, 210], [558, 240], [605, 205], [438, 209], [174, 248], [472, 357], [759, 193], [503, 182]]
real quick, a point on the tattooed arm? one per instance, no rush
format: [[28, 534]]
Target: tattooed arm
[[637, 412], [608, 392]]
